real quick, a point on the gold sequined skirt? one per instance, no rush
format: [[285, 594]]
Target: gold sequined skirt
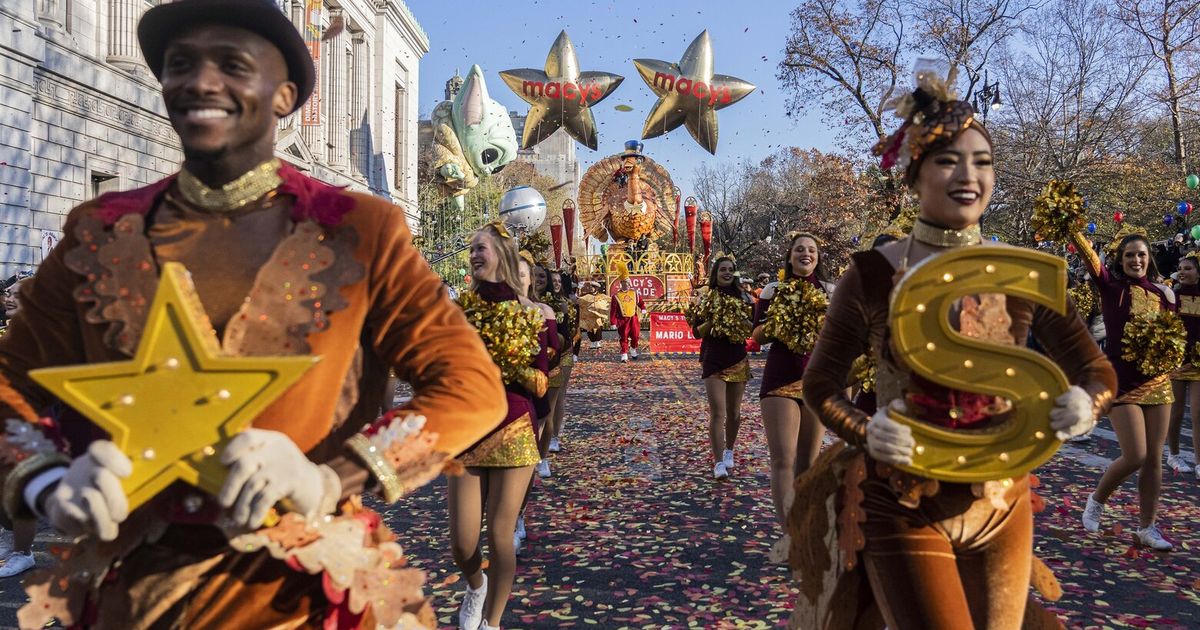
[[1156, 391], [513, 446], [736, 373], [794, 391], [558, 376]]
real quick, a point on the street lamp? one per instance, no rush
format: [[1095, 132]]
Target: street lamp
[[988, 96]]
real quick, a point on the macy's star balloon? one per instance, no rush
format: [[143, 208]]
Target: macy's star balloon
[[689, 93], [561, 95]]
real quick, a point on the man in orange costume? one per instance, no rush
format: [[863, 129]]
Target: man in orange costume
[[303, 269], [624, 313]]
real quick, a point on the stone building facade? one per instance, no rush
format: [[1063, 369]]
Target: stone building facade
[[80, 114]]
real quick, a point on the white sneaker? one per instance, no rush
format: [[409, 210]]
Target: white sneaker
[[470, 612], [555, 445], [543, 469], [1092, 514], [1085, 437], [719, 471], [485, 626], [17, 564], [1177, 463], [1152, 538], [625, 358], [727, 459], [633, 353], [520, 530], [517, 544]]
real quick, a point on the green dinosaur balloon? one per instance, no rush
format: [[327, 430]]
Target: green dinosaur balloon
[[473, 137]]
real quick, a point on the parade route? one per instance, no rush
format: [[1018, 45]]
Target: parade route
[[632, 532]]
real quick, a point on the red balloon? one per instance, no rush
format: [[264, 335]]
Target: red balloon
[[1118, 217], [1071, 247], [1189, 207]]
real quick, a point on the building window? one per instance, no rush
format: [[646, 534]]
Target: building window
[[104, 182]]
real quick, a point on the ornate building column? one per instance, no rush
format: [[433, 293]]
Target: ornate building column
[[52, 14], [123, 17], [361, 152], [336, 130]]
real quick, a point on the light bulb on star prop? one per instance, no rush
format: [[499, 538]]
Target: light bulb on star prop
[[689, 93], [560, 95], [173, 407]]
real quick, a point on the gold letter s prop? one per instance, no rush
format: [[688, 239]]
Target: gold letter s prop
[[923, 339]]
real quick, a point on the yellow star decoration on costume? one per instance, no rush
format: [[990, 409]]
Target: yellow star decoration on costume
[[174, 406]]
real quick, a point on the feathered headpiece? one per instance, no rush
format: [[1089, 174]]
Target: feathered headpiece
[[721, 255], [527, 257], [795, 234], [932, 114], [623, 271]]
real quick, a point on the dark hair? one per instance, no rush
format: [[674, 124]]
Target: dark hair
[[820, 271], [914, 167], [1114, 264], [1192, 260], [712, 276], [568, 285]]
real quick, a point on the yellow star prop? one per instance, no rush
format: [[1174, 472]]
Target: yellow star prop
[[174, 406]]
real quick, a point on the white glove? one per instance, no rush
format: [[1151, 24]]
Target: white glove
[[1072, 414], [89, 499], [266, 467], [889, 441]]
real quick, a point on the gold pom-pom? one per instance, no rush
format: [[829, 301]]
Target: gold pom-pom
[[1085, 300], [796, 314], [1155, 343], [863, 372], [508, 329], [728, 317], [1058, 211]]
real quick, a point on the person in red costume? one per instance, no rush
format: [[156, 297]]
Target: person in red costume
[[624, 312]]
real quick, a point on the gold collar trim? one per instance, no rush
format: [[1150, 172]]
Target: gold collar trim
[[941, 237], [257, 182]]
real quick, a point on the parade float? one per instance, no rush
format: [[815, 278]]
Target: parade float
[[629, 202]]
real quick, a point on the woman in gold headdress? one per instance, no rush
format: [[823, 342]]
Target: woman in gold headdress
[[783, 310], [1130, 293], [499, 467], [937, 555], [722, 321]]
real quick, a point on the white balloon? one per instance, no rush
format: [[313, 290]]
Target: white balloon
[[523, 209]]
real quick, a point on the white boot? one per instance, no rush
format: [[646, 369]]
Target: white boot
[[624, 357], [470, 612]]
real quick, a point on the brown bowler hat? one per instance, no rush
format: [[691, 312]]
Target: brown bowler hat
[[162, 23]]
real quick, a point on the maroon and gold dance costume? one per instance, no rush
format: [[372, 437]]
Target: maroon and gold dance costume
[[1121, 299], [937, 555], [783, 374], [551, 346], [624, 313], [565, 315], [721, 357], [513, 443], [1187, 297]]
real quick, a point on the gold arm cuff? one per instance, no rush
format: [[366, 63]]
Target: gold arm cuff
[[383, 471], [1089, 256], [535, 381], [14, 485]]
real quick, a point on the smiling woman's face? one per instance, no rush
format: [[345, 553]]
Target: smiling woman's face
[[955, 183]]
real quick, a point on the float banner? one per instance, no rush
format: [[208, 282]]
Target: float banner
[[647, 287], [669, 332]]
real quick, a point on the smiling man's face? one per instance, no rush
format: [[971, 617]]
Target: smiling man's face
[[225, 89]]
